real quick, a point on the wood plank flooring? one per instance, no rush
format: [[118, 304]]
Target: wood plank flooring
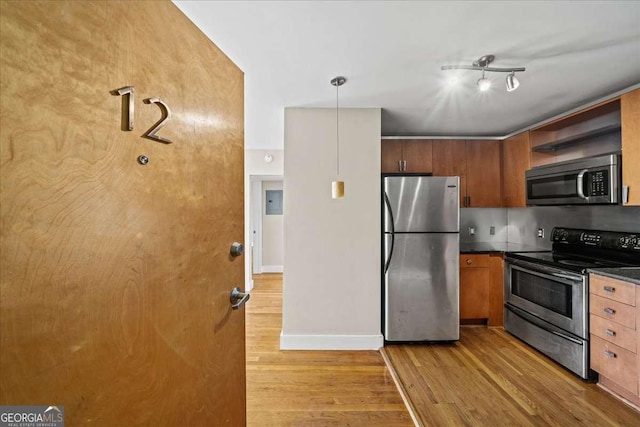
[[488, 378], [311, 388]]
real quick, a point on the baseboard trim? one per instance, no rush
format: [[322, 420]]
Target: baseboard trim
[[331, 342], [272, 269]]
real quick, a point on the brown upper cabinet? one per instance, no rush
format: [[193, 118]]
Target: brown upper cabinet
[[630, 118], [406, 155], [477, 163], [516, 160]]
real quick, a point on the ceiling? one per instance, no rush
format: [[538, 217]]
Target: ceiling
[[391, 53]]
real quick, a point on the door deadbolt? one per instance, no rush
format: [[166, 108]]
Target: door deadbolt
[[237, 249]]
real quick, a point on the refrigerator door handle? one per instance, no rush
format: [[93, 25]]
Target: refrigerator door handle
[[393, 236]]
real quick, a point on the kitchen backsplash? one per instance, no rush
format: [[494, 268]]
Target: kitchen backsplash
[[481, 220], [520, 225]]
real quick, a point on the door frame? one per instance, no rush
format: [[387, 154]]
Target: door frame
[[254, 240]]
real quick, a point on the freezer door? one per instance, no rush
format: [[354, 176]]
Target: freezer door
[[422, 288], [422, 204]]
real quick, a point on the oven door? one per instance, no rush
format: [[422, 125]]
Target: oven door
[[553, 295]]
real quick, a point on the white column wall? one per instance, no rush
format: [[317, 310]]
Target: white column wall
[[331, 247]]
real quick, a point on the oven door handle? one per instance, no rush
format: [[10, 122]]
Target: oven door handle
[[549, 274], [566, 276], [580, 184]]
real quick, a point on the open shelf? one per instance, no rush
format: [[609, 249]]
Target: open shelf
[[565, 134], [571, 140]]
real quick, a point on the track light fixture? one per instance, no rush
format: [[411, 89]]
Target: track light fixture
[[482, 64]]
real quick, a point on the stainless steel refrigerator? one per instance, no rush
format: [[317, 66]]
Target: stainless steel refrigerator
[[421, 243]]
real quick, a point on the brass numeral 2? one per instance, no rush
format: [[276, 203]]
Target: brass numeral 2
[[128, 109]]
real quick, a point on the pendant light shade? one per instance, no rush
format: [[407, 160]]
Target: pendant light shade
[[337, 190], [337, 186]]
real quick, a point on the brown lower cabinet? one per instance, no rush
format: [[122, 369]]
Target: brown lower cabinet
[[614, 312], [481, 289]]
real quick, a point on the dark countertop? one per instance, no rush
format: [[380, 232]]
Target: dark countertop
[[628, 274], [500, 247]]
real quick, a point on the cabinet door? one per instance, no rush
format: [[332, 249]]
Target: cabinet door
[[630, 115], [474, 287], [450, 159], [418, 155], [391, 154], [516, 159], [484, 180]]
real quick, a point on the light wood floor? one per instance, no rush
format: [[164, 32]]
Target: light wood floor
[[488, 378], [311, 388]]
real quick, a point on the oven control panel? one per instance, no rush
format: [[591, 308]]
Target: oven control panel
[[600, 239]]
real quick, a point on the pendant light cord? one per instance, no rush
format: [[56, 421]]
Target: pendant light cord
[[337, 133]]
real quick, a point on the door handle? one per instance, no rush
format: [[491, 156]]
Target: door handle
[[580, 184], [238, 298]]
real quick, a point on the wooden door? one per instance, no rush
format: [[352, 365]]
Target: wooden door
[[474, 287], [484, 179], [449, 159], [116, 276], [630, 115], [516, 160], [391, 155], [418, 155]]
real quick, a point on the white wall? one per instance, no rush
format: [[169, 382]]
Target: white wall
[[272, 233], [255, 168], [331, 247]]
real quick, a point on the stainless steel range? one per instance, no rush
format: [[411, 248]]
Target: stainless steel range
[[547, 293]]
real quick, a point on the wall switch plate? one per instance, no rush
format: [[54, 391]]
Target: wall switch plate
[[541, 233], [472, 231], [492, 230]]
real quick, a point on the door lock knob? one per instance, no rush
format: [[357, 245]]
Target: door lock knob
[[237, 249]]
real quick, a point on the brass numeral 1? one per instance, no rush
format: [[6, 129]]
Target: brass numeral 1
[[127, 106]]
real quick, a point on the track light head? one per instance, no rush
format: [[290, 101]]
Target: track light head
[[484, 83], [512, 82]]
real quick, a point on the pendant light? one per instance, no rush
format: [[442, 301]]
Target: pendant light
[[337, 186]]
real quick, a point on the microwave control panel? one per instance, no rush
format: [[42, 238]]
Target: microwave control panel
[[598, 183]]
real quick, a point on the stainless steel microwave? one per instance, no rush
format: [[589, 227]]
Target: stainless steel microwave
[[591, 180]]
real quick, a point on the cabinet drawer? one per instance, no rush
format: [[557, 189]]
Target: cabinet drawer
[[467, 261], [613, 310], [615, 363], [614, 289], [613, 332]]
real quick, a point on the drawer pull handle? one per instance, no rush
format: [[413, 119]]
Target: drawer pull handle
[[610, 289], [610, 354], [469, 262], [610, 332], [609, 310]]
